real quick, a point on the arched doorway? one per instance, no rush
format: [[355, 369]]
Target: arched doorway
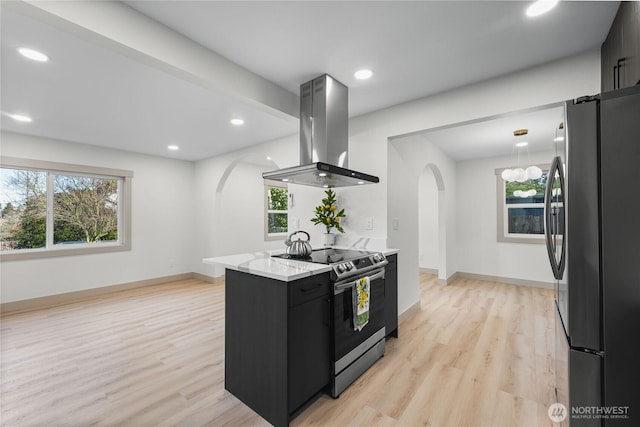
[[254, 158], [431, 221]]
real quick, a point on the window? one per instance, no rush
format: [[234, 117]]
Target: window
[[50, 209], [521, 209], [276, 217]]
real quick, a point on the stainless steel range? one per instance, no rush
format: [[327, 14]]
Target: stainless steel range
[[354, 351]]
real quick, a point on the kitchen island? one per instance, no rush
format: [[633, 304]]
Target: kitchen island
[[277, 331]]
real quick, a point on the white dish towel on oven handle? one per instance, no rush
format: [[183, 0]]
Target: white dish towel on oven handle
[[361, 296]]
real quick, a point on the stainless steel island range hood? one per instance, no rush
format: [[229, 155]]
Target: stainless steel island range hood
[[324, 139]]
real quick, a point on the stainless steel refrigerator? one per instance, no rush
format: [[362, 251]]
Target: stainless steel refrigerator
[[592, 218]]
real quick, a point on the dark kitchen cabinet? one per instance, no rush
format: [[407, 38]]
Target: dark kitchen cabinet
[[620, 52], [391, 296], [277, 345], [309, 340]]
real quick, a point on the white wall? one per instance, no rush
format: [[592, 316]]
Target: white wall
[[428, 220], [162, 223], [547, 84], [229, 201], [166, 190], [479, 251], [354, 224], [411, 155], [229, 217], [369, 156], [398, 165]]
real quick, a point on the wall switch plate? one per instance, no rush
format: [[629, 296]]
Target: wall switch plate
[[368, 223], [296, 224], [395, 223]]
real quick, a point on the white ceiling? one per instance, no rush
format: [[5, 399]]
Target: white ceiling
[[494, 137], [92, 93], [88, 93]]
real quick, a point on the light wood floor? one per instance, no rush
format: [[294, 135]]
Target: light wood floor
[[477, 354]]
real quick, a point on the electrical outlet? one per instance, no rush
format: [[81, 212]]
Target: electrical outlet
[[368, 223], [396, 223], [296, 224], [172, 263]]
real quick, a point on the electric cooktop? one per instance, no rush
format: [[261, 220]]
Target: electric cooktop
[[330, 255]]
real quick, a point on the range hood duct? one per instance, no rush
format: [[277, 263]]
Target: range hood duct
[[324, 139]]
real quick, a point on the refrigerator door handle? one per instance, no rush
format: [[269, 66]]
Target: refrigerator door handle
[[616, 71], [551, 222], [547, 220]]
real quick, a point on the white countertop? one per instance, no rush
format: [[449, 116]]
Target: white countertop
[[263, 264]]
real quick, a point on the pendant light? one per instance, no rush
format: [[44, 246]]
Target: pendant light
[[520, 174]]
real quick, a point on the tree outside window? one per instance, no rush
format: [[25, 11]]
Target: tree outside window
[[276, 215], [49, 212], [85, 209], [525, 209], [521, 209], [24, 209]]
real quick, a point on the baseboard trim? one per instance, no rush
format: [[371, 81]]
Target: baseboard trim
[[445, 282], [507, 280], [428, 270], [210, 279], [69, 297], [409, 313]]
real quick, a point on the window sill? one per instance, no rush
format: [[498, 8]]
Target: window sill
[[84, 249], [273, 237], [538, 238]]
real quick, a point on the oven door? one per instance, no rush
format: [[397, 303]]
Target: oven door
[[345, 337]]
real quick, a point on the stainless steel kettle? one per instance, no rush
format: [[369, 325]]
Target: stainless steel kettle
[[299, 248]]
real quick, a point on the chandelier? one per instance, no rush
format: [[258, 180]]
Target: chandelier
[[519, 173]]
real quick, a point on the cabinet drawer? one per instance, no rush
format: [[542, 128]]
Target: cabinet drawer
[[303, 290]]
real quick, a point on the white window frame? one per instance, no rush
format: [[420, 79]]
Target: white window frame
[[278, 184], [124, 178], [503, 234]]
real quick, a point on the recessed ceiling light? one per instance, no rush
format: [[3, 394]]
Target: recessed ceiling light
[[360, 182], [322, 174], [173, 147], [285, 180], [522, 144], [21, 118], [325, 186], [268, 158], [558, 139], [33, 54], [541, 7], [363, 74], [237, 122]]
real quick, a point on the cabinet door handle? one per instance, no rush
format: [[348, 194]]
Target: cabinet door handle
[[619, 65], [311, 288], [615, 70]]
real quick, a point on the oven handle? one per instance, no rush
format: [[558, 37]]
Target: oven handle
[[340, 287]]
